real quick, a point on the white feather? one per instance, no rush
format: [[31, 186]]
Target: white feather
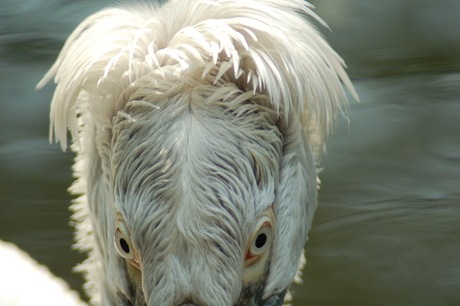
[[24, 282], [128, 66]]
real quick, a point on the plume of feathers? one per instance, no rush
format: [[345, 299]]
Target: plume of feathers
[[142, 53], [248, 41]]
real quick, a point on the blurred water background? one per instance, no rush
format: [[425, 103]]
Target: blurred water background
[[387, 230]]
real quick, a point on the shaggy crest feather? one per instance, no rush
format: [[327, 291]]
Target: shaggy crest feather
[[296, 68], [160, 102]]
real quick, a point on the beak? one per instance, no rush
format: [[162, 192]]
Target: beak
[[251, 295], [275, 300], [123, 300], [136, 300], [136, 296]]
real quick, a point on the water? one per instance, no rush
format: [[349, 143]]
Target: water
[[387, 230]]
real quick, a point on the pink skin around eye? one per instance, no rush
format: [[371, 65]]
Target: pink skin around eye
[[135, 262]]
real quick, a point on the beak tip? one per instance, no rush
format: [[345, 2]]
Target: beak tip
[[275, 300]]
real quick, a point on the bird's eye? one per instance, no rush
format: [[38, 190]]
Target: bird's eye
[[122, 243], [262, 240]]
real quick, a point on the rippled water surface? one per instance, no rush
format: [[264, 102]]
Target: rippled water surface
[[387, 229]]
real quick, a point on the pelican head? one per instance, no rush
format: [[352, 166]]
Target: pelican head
[[197, 127]]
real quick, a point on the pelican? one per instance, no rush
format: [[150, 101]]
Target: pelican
[[198, 126]]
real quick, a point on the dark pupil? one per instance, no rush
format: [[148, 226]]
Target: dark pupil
[[260, 241], [124, 245]]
